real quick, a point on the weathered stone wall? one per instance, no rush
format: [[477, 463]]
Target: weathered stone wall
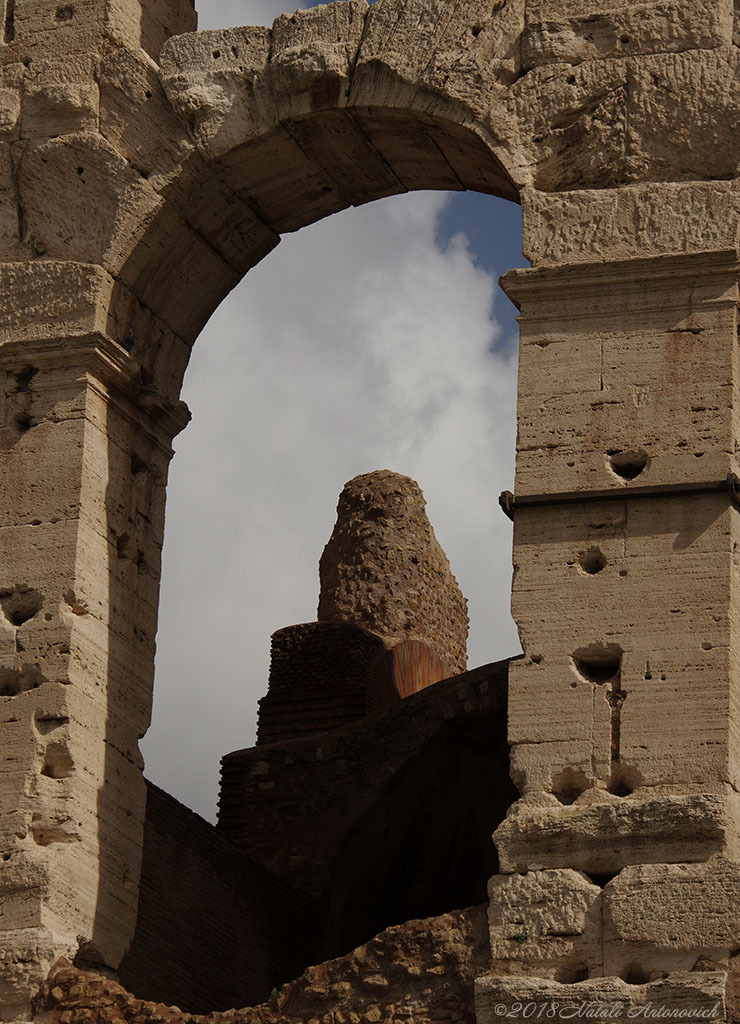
[[421, 972], [385, 819], [384, 569], [214, 929], [320, 678]]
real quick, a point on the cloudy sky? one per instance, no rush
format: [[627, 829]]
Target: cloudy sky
[[375, 339]]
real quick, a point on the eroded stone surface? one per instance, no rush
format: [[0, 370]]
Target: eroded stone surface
[[421, 969], [384, 569]]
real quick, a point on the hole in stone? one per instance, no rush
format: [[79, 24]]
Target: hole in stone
[[48, 723], [20, 604], [23, 379], [138, 465], [58, 763], [568, 785], [598, 663], [536, 659], [571, 975], [9, 34], [619, 788], [592, 561], [23, 422], [571, 79], [706, 646], [624, 40], [574, 686], [602, 880], [48, 617], [46, 833], [216, 54], [64, 13], [14, 681], [477, 29], [698, 455], [636, 976], [80, 171], [148, 94], [622, 573], [627, 465], [624, 781], [123, 544], [7, 856]]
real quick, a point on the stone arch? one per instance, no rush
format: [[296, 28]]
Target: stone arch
[[128, 212], [276, 128]]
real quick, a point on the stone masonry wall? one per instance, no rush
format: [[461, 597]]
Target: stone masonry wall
[[318, 679], [214, 929], [421, 972], [386, 819]]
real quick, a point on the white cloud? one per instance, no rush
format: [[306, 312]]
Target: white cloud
[[356, 345]]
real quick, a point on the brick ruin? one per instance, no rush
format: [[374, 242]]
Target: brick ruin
[[145, 167]]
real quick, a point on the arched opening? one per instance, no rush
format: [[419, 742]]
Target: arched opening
[[393, 349], [287, 173], [375, 339]]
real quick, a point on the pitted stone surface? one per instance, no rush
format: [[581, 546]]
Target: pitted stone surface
[[384, 569]]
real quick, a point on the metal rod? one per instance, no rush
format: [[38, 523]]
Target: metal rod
[[731, 484]]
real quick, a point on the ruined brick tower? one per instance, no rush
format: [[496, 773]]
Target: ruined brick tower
[[144, 169], [391, 617]]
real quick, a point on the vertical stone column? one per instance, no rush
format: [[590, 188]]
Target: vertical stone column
[[84, 450], [620, 860]]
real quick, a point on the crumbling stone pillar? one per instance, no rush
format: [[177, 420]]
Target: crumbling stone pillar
[[621, 857], [383, 568]]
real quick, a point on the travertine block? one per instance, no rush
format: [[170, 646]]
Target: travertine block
[[464, 52], [690, 140], [218, 84], [289, 190], [136, 117], [50, 297], [313, 56], [617, 224], [605, 998], [586, 591], [590, 101], [90, 171], [548, 920], [639, 391], [602, 837], [148, 23], [596, 30], [676, 907], [60, 97]]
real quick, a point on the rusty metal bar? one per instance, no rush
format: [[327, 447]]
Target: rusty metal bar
[[731, 484]]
